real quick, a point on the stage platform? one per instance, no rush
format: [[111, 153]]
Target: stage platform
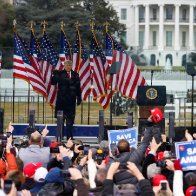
[[87, 133]]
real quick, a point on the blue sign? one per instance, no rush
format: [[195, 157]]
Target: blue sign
[[186, 152], [131, 135]]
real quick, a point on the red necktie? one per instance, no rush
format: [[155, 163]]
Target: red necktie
[[69, 75]]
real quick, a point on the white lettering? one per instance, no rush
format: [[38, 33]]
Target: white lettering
[[188, 159], [191, 151]]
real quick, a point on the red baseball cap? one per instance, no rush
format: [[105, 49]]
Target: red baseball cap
[[157, 178], [157, 115], [29, 169]]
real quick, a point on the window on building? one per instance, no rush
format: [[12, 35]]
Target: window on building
[[183, 38], [154, 13], [141, 38], [184, 12], [169, 13], [123, 37], [123, 14], [168, 38], [141, 14], [154, 38]]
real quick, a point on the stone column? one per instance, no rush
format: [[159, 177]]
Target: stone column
[[191, 32], [161, 28], [147, 27], [176, 42], [136, 25]]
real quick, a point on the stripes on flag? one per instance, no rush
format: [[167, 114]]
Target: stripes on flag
[[23, 68], [19, 69], [65, 51], [85, 74], [34, 53], [98, 66], [48, 62], [77, 53], [129, 76]]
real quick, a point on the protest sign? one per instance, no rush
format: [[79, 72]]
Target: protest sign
[[130, 134], [186, 152]]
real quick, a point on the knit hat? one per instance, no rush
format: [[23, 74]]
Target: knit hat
[[104, 145], [40, 174], [54, 175], [29, 169], [153, 170], [190, 190], [157, 178]]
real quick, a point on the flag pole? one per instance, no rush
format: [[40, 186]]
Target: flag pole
[[13, 104], [92, 25], [77, 25], [43, 24]]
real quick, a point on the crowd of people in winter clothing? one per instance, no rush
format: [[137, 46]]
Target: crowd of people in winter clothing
[[46, 168]]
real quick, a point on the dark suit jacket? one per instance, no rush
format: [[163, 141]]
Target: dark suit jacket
[[68, 91]]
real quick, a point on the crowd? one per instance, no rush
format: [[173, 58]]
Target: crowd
[[46, 168]]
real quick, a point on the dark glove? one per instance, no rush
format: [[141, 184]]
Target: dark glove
[[79, 101], [55, 73]]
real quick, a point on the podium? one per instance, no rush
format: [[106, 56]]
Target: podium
[[149, 97]]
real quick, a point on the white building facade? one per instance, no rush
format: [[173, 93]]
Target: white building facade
[[164, 31]]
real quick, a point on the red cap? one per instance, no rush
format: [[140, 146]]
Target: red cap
[[29, 169], [54, 144], [160, 156], [190, 190], [157, 115], [157, 178]]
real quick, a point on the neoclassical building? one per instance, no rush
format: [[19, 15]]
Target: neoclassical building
[[163, 31]]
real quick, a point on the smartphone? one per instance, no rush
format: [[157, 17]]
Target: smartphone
[[163, 185], [86, 149], [81, 148], [7, 186], [113, 147], [54, 150]]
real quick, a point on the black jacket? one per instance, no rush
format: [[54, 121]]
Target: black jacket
[[136, 156], [68, 90]]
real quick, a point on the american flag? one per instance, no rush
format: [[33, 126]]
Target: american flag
[[109, 48], [129, 76], [48, 62], [98, 68], [77, 53], [19, 59], [65, 51], [22, 63], [85, 74], [34, 52], [81, 64]]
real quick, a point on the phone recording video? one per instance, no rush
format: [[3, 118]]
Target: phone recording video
[[7, 186], [163, 185]]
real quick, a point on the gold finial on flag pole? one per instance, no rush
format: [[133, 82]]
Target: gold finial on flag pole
[[106, 24], [44, 24], [77, 25], [14, 24], [32, 24], [62, 25], [92, 24]]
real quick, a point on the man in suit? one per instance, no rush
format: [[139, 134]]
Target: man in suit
[[69, 92]]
